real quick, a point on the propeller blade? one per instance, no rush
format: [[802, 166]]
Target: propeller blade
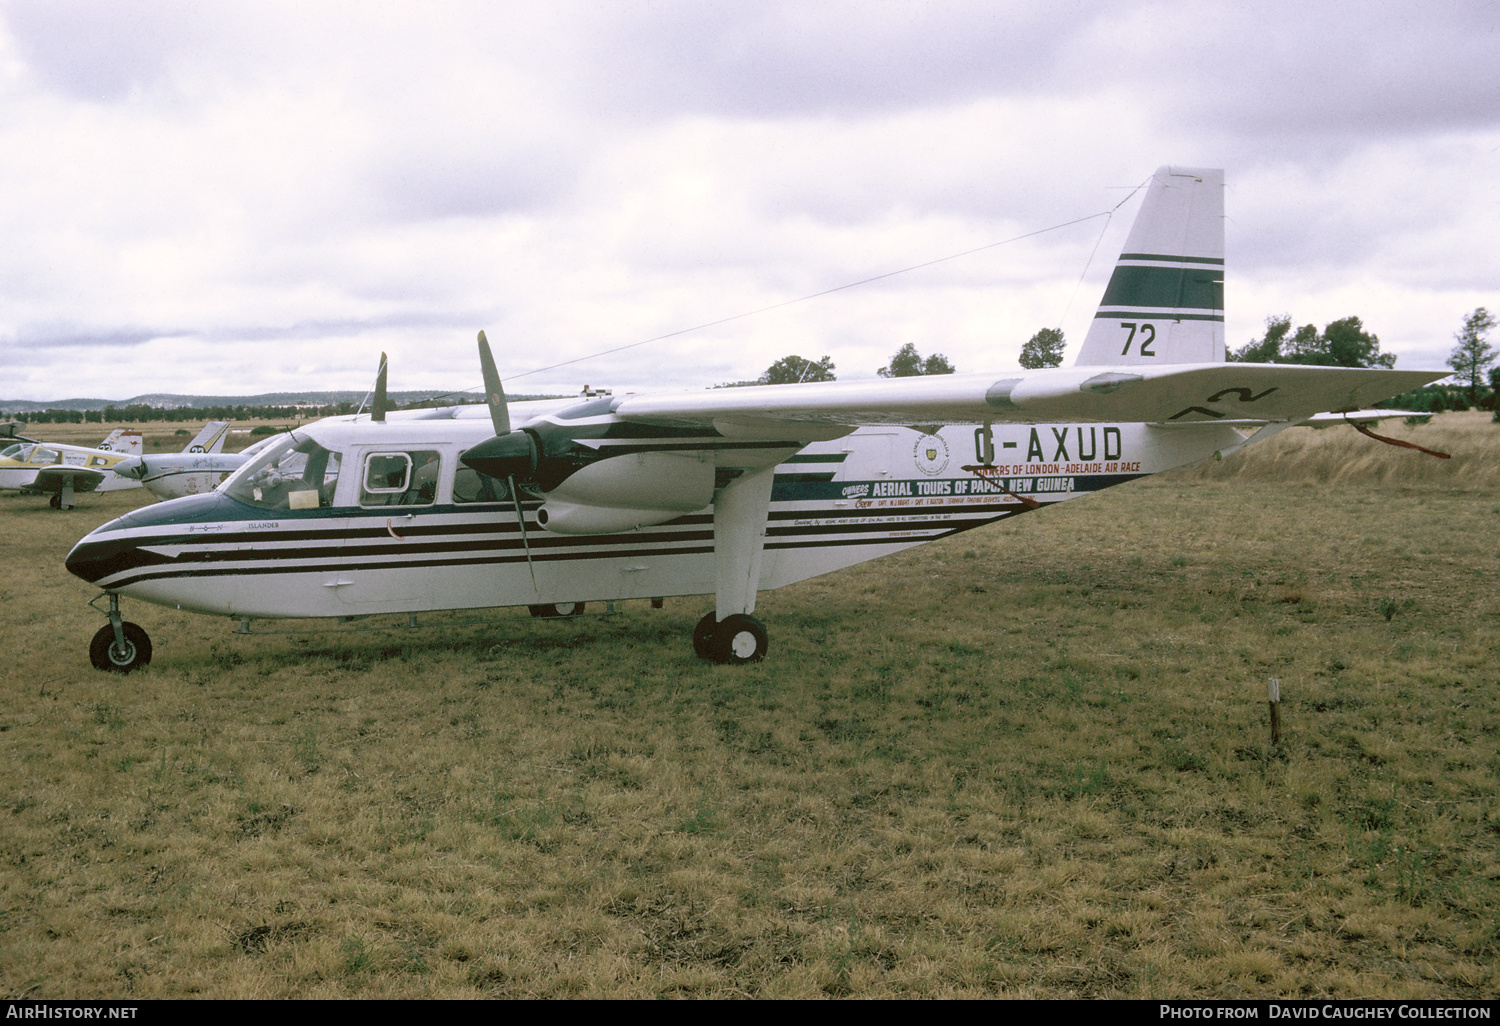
[[521, 519], [507, 451], [377, 411], [493, 393]]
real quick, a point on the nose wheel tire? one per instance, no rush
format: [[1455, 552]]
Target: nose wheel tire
[[106, 655], [562, 609], [736, 640], [703, 636]]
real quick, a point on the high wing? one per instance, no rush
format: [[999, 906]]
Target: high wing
[[1174, 393], [1154, 354]]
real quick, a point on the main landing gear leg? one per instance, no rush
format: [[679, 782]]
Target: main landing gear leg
[[119, 646], [730, 634]]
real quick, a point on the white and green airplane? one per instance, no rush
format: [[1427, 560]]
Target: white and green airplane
[[718, 492]]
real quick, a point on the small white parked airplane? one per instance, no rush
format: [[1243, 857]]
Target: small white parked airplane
[[65, 470], [41, 468], [723, 492], [197, 469]]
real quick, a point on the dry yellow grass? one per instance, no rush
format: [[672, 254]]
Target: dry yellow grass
[[1029, 761], [1340, 453]]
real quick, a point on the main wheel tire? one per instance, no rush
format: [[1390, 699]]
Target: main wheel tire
[[703, 636], [104, 655], [55, 502], [739, 639], [563, 609]]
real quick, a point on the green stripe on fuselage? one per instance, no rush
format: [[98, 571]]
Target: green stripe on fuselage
[[1174, 288]]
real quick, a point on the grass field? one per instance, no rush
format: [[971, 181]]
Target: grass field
[[1033, 760]]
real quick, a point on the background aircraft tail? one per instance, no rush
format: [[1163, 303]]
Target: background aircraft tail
[[124, 440], [1165, 301], [210, 439]]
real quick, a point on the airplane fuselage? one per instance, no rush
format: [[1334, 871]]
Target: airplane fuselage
[[21, 465], [344, 549], [174, 475]]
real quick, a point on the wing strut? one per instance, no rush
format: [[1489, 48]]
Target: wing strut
[[1396, 441]]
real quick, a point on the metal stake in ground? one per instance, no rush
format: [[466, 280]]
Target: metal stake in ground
[[1273, 695]]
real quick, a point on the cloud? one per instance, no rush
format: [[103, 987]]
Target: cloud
[[290, 188]]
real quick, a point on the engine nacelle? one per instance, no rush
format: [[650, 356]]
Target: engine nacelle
[[626, 492], [570, 518]]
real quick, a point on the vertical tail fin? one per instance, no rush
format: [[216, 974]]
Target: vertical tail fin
[[1165, 300], [126, 440], [210, 439]]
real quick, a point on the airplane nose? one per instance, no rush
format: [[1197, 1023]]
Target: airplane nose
[[134, 468], [84, 561], [127, 543], [95, 558]]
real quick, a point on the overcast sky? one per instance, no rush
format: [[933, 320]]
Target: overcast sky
[[236, 198]]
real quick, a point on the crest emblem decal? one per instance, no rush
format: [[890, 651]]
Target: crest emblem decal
[[931, 455]]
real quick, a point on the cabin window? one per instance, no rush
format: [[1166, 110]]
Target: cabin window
[[386, 473], [469, 485], [400, 478], [294, 474], [14, 452], [44, 455]]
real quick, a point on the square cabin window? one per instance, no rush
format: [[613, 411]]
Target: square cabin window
[[400, 478]]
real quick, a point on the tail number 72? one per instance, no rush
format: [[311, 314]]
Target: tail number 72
[[1148, 338]]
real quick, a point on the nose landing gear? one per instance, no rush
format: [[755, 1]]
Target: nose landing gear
[[119, 646]]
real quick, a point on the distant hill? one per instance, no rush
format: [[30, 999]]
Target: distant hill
[[169, 401]]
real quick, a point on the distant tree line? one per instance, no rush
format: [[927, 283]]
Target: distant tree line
[[793, 370], [790, 370], [1345, 343], [908, 363], [1437, 398], [1342, 343], [138, 413]]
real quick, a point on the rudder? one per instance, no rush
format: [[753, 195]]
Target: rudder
[[1165, 301]]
